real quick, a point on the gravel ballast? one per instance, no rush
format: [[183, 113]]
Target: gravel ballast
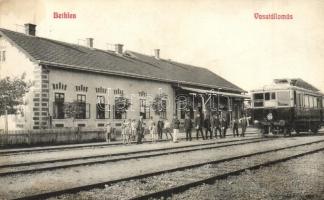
[[298, 179], [21, 185], [131, 189], [112, 157]]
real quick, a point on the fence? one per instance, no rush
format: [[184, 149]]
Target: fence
[[51, 136]]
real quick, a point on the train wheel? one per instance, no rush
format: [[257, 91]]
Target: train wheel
[[289, 132], [286, 131], [262, 133], [314, 129]]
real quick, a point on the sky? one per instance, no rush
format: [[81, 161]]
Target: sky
[[220, 35]]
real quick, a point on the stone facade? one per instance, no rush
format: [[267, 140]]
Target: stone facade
[[91, 85]]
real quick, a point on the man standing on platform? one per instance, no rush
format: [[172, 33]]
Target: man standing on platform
[[109, 131], [160, 126], [216, 125], [175, 126], [167, 129], [235, 127], [140, 130], [224, 126], [198, 126], [244, 124], [207, 126], [188, 126]]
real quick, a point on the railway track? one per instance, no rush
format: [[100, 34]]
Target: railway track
[[291, 149], [9, 169], [162, 194]]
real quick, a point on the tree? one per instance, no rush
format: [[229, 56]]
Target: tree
[[73, 109], [12, 91], [122, 104], [159, 103]]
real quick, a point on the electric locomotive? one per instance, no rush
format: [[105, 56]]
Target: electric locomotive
[[287, 105]]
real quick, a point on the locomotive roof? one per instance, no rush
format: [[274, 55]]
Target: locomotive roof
[[284, 84], [298, 82]]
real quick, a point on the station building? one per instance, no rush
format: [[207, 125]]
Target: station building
[[107, 85]]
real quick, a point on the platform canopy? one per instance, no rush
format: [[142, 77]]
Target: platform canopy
[[203, 91]]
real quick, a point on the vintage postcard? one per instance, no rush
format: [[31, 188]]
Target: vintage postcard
[[162, 99]]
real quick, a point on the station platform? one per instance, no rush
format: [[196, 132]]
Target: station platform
[[251, 132]]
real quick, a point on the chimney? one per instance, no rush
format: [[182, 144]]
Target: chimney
[[119, 49], [157, 54], [89, 42], [30, 29]]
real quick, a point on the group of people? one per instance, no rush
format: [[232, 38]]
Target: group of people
[[213, 125], [156, 129], [132, 130], [128, 131]]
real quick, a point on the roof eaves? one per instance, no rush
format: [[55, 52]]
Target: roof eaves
[[187, 67], [125, 74]]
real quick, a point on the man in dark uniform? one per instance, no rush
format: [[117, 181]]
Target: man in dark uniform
[[216, 126], [160, 126], [235, 127], [198, 126], [244, 125], [140, 130], [187, 127], [176, 127], [224, 126], [207, 126]]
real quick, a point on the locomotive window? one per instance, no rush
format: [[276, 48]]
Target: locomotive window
[[273, 95], [258, 96], [298, 100], [319, 105], [283, 98], [311, 101], [267, 96], [306, 102], [315, 102], [258, 104]]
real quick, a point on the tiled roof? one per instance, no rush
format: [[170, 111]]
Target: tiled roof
[[132, 64]]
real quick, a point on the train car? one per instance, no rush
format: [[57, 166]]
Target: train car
[[287, 105]]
